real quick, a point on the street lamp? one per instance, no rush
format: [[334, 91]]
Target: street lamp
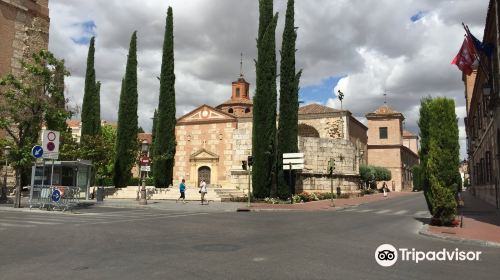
[[6, 153], [144, 151]]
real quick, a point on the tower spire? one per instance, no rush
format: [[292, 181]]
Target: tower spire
[[241, 65]]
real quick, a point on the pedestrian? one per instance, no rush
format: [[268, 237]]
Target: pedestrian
[[182, 189], [203, 191]]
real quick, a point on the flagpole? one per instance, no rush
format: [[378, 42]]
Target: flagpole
[[476, 51]]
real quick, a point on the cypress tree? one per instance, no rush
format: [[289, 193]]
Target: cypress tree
[[152, 149], [289, 98], [165, 140], [57, 115], [89, 96], [126, 141], [423, 124], [264, 115], [97, 109]]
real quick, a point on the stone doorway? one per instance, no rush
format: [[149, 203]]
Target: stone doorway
[[204, 174]]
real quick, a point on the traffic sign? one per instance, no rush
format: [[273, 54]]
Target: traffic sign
[[146, 168], [293, 161], [56, 196], [37, 151], [145, 160], [50, 144]]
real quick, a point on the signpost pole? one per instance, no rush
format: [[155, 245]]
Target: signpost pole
[[331, 188], [249, 182], [290, 180], [52, 174]]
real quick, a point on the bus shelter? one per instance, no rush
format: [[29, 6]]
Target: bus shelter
[[60, 184]]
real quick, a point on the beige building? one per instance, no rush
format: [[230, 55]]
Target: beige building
[[391, 147], [212, 142]]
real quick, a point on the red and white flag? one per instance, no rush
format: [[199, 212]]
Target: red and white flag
[[465, 58]]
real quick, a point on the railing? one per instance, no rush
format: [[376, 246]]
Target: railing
[[54, 197]]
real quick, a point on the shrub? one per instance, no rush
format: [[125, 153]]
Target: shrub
[[444, 206]]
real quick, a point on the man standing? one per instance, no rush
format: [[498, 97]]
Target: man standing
[[203, 191], [182, 189]]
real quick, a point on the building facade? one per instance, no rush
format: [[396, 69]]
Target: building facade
[[391, 147], [212, 142], [483, 116]]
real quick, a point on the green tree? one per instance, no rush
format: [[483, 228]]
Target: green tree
[[28, 101], [152, 149], [165, 139], [440, 156], [102, 150], [126, 139], [264, 115], [289, 99], [91, 119]]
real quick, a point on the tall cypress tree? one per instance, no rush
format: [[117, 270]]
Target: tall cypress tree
[[165, 140], [152, 149], [126, 141], [57, 115], [89, 97], [289, 98], [97, 108], [423, 124], [264, 115]]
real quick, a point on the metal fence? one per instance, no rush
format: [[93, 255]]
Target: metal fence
[[55, 197]]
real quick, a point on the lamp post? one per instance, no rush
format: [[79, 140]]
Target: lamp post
[[144, 150], [6, 153]]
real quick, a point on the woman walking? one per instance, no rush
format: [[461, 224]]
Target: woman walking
[[182, 189]]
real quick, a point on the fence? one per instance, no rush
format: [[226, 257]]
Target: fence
[[55, 197]]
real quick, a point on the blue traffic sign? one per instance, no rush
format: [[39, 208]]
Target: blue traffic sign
[[56, 196], [37, 151]]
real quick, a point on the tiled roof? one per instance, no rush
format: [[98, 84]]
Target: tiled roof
[[73, 123], [407, 133], [385, 110], [316, 109], [145, 136], [237, 101]]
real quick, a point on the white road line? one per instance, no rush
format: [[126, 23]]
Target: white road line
[[350, 209], [15, 225], [383, 211], [421, 213], [40, 223], [402, 212], [144, 219], [364, 210]]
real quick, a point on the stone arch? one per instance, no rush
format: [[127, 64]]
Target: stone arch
[[308, 131]]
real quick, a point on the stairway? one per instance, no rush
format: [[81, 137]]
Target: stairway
[[227, 194]]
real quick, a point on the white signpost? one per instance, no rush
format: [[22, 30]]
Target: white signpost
[[50, 144], [294, 161]]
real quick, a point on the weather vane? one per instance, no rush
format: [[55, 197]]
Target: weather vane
[[340, 96], [241, 65]]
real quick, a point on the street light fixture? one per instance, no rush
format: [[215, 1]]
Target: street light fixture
[[144, 150], [6, 153]]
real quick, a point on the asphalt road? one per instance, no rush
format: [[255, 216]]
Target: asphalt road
[[180, 244]]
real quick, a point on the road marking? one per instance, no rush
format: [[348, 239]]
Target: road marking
[[402, 212], [144, 219], [364, 210], [422, 213], [15, 225], [350, 209], [383, 211]]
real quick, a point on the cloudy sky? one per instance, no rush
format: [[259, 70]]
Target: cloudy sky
[[364, 48]]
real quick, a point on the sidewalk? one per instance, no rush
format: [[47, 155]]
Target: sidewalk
[[326, 204], [481, 224]]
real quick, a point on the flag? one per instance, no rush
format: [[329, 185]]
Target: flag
[[486, 48], [465, 57]]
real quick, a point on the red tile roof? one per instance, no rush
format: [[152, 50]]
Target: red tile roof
[[316, 109]]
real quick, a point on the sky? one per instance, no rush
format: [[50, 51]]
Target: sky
[[402, 48]]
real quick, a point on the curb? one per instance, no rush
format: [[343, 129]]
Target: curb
[[424, 231]]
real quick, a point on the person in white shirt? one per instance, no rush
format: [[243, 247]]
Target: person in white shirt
[[203, 191]]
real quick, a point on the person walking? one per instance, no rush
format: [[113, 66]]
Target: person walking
[[182, 189], [203, 191]]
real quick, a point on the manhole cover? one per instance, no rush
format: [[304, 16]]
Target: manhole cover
[[217, 247]]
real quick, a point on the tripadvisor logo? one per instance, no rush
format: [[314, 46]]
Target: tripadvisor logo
[[387, 255]]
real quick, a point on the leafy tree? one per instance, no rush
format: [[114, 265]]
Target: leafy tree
[[101, 149], [152, 149], [424, 124], [91, 119], [371, 174], [417, 177], [165, 144], [28, 101], [264, 115], [126, 141], [140, 129], [289, 98]]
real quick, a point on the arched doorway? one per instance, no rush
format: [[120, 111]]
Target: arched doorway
[[204, 174], [307, 131]]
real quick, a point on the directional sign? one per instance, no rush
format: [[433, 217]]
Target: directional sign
[[37, 151], [56, 196], [293, 161], [294, 166], [50, 144]]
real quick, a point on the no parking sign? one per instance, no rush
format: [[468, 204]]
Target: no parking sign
[[50, 144]]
